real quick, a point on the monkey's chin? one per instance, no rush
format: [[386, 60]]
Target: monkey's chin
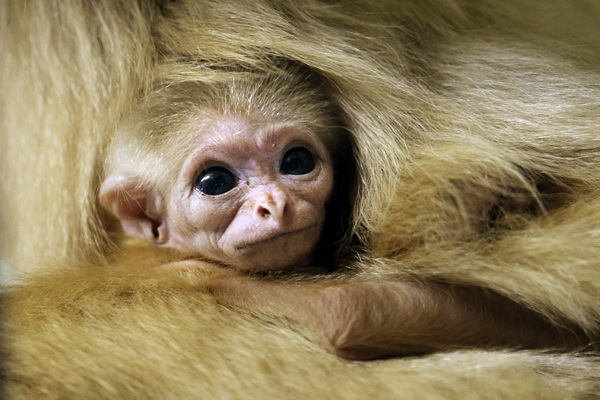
[[279, 252]]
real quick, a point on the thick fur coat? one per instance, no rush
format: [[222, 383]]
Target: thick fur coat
[[476, 137]]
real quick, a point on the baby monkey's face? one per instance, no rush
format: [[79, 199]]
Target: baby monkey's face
[[251, 194]]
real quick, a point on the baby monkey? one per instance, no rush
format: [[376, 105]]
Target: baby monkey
[[247, 172], [254, 173]]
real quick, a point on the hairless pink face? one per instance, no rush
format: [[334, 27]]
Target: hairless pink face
[[251, 195]]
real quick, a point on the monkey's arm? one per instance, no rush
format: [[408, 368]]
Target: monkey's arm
[[363, 320]]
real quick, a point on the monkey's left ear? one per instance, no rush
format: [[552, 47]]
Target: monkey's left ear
[[138, 207]]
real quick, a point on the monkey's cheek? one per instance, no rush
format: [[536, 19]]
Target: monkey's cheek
[[292, 250]]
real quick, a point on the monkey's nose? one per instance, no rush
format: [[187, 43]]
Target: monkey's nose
[[271, 205]]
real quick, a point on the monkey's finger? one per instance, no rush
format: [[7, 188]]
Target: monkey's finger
[[194, 271], [191, 265]]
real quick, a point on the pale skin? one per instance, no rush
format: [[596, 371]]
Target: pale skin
[[252, 197]]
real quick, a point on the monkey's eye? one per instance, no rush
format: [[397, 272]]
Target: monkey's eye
[[297, 161], [215, 181]]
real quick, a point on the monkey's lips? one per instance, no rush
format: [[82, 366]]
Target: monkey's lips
[[270, 238]]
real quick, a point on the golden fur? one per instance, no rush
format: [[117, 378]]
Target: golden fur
[[132, 333], [476, 138]]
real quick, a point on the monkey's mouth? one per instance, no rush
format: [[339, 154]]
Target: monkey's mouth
[[247, 245]]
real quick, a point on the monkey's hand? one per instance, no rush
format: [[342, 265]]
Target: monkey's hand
[[358, 320], [335, 315], [367, 320]]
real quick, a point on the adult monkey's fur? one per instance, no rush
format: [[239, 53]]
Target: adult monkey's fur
[[451, 103]]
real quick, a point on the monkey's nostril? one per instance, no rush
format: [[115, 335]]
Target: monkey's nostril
[[264, 212]]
